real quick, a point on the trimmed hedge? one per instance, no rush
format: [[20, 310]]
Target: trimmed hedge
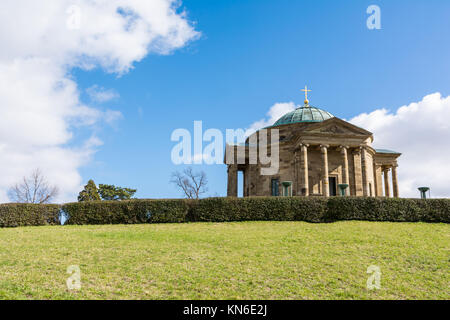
[[259, 208], [20, 215], [228, 209], [388, 209], [270, 208], [126, 212]]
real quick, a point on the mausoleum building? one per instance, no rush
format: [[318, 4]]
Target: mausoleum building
[[319, 155]]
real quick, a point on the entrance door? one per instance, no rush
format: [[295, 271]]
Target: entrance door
[[333, 186]]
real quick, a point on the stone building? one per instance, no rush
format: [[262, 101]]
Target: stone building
[[318, 155]]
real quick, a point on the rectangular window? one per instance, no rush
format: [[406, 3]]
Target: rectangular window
[[275, 185]]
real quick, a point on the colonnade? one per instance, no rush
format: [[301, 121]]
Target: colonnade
[[360, 171]]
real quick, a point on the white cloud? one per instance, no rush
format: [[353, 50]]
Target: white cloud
[[111, 33], [275, 112], [100, 94], [421, 132], [111, 116], [39, 101]]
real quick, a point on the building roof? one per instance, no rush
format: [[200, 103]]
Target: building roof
[[306, 113], [386, 151]]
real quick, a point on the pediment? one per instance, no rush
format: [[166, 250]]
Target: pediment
[[336, 126]]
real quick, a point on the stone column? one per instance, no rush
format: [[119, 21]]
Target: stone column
[[394, 181], [304, 169], [365, 184], [378, 181], [325, 183], [232, 189], [296, 183], [357, 172], [345, 176], [386, 182]]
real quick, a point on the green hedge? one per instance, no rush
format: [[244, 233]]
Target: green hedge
[[126, 212], [270, 208], [228, 209], [19, 215], [388, 209]]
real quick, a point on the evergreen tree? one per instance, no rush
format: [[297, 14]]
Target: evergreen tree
[[111, 192], [89, 193]]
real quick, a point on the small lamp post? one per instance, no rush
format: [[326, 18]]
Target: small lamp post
[[423, 192], [342, 187]]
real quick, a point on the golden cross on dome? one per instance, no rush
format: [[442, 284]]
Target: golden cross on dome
[[306, 94]]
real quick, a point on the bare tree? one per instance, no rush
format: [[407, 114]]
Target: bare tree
[[33, 189], [193, 184]]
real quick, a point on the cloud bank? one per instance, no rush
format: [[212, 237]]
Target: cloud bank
[[420, 131], [40, 107]]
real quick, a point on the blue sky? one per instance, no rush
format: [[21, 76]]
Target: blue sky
[[251, 55]]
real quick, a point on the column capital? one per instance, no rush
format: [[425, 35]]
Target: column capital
[[301, 145], [363, 147], [324, 147], [356, 151], [344, 149]]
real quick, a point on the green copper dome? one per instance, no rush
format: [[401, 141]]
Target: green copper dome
[[306, 113]]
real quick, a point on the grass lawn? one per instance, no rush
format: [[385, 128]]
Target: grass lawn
[[246, 260]]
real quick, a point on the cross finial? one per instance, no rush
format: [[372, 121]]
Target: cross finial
[[306, 94]]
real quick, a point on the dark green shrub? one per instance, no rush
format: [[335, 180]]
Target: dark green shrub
[[434, 210], [270, 208], [259, 208], [213, 209], [126, 212], [228, 209], [320, 209], [310, 209], [388, 209], [21, 214]]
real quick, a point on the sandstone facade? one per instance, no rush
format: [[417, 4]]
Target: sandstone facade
[[315, 157]]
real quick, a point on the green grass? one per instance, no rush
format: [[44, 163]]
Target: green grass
[[246, 260]]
